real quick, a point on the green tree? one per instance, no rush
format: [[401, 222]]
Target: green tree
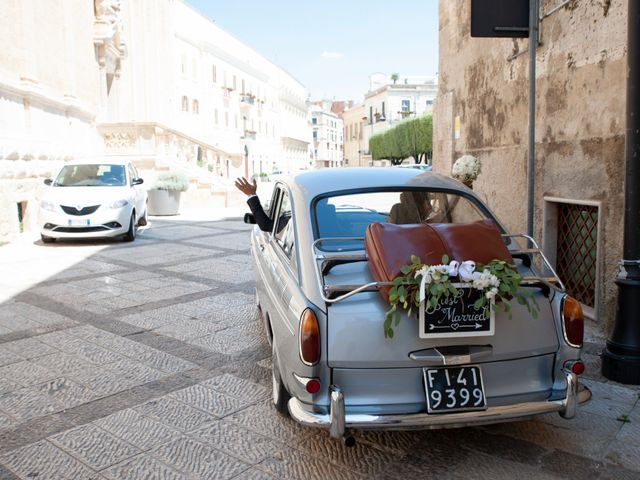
[[395, 77], [410, 138]]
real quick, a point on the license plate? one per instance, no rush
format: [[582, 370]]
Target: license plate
[[77, 222], [456, 316], [454, 389]]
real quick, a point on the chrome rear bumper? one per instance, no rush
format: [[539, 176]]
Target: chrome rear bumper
[[338, 421]]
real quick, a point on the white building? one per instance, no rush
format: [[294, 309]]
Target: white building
[[152, 80], [388, 102], [60, 64], [327, 133], [194, 93], [385, 104]]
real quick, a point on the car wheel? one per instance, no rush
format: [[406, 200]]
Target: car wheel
[[130, 236], [280, 395], [143, 219], [46, 239]]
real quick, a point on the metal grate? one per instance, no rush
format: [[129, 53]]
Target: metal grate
[[100, 228], [79, 210], [577, 250]]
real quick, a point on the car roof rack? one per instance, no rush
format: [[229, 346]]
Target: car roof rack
[[324, 261]]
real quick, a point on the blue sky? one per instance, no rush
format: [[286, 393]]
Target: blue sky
[[332, 46]]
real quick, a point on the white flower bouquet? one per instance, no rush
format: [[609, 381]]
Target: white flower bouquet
[[466, 169], [428, 284]]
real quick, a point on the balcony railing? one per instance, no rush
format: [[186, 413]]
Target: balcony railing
[[248, 99]]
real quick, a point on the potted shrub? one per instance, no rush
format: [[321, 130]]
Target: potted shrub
[[164, 194]]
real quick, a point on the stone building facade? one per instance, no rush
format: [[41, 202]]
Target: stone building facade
[[195, 94], [150, 80], [354, 148], [58, 64], [481, 109]]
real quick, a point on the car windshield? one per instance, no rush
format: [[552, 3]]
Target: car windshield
[[349, 215], [91, 175]]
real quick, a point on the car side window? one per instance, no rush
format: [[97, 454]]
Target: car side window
[[271, 206], [132, 174], [284, 233]]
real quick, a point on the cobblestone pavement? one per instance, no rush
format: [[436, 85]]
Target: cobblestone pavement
[[146, 360]]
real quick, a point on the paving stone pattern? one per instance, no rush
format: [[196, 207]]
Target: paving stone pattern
[[148, 361]]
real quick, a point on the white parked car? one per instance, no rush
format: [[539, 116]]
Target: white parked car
[[93, 199]]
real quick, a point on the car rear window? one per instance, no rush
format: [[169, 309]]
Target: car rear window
[[349, 215]]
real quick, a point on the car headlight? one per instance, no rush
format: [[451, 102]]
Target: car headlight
[[119, 204], [45, 205]]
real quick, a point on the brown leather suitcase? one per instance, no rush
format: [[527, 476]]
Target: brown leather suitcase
[[478, 241], [390, 246]]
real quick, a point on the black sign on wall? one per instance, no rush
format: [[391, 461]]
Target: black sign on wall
[[500, 18]]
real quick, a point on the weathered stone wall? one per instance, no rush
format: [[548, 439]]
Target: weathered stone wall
[[580, 107]]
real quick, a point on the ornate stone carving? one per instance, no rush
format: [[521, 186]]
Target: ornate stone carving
[[118, 141], [107, 38], [108, 11]]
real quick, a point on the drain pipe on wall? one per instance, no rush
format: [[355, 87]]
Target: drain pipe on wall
[[531, 164]]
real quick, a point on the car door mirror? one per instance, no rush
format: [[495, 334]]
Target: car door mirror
[[137, 181], [249, 219], [48, 181]]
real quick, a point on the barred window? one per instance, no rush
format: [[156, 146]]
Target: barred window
[[576, 258]]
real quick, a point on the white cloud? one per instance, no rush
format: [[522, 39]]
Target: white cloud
[[332, 55]]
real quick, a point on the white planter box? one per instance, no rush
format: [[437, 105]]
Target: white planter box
[[163, 202]]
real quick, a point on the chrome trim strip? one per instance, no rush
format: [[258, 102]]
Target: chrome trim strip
[[571, 402], [337, 421], [535, 249], [372, 286], [301, 380], [317, 242]]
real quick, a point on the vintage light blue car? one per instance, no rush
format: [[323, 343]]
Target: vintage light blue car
[[323, 313]]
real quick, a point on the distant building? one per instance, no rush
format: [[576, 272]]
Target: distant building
[[385, 104], [356, 152], [327, 136], [197, 94]]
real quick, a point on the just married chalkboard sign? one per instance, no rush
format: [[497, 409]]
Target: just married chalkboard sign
[[456, 316]]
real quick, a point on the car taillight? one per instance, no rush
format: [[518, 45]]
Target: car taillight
[[572, 321], [309, 338]]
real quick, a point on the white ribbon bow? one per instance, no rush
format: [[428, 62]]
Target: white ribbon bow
[[463, 270], [426, 278], [466, 269]]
